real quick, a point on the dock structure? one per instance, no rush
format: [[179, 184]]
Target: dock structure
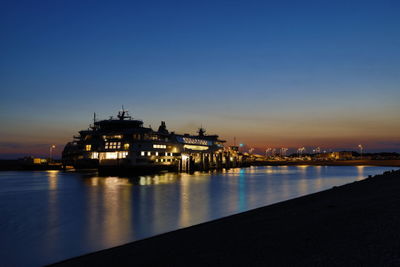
[[124, 144]]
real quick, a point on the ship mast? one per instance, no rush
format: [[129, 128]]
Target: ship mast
[[123, 114]]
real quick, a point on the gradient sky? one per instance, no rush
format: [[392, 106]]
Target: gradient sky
[[272, 73]]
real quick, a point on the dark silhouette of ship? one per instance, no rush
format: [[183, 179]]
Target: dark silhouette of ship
[[124, 144]]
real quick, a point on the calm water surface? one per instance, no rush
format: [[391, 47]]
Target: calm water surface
[[50, 216]]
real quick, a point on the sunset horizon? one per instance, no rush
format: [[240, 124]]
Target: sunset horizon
[[270, 74]]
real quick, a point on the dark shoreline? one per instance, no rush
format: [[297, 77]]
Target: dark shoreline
[[357, 224]]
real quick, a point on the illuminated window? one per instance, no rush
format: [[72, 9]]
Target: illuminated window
[[113, 145], [156, 153], [126, 146], [111, 155], [107, 137], [166, 154], [142, 153], [88, 147], [149, 153], [95, 155], [122, 154], [160, 146], [194, 147]]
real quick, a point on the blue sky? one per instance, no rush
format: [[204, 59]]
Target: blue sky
[[271, 73]]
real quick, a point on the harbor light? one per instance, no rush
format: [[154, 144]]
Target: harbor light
[[361, 149], [51, 151]]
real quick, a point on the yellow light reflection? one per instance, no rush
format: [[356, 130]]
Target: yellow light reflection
[[53, 209], [166, 178], [184, 218], [318, 181], [360, 173], [52, 179], [110, 215], [303, 166]]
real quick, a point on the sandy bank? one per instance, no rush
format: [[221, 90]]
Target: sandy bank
[[357, 224]]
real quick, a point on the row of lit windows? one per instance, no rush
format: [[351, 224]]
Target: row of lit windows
[[164, 160], [113, 145], [109, 155], [109, 145], [115, 155], [159, 146], [137, 136], [150, 153], [105, 137]]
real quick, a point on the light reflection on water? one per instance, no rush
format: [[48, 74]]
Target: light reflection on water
[[50, 216]]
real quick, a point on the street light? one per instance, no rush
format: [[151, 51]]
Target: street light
[[51, 151], [361, 149]]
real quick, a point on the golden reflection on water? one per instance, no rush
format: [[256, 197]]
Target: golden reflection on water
[[360, 173], [108, 182], [109, 209], [194, 198], [318, 181], [53, 210], [167, 178], [117, 209], [52, 177], [303, 182], [184, 218]]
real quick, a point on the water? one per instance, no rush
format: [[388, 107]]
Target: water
[[49, 216]]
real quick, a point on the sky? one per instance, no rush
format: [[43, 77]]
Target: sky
[[270, 73]]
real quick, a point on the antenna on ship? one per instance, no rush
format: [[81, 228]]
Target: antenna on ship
[[123, 114], [93, 126], [201, 131]]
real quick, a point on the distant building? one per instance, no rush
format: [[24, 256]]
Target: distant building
[[341, 155], [32, 160]]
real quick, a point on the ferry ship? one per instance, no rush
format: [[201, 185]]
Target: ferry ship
[[124, 144]]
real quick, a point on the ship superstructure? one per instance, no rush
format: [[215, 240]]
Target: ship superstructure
[[123, 143]]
